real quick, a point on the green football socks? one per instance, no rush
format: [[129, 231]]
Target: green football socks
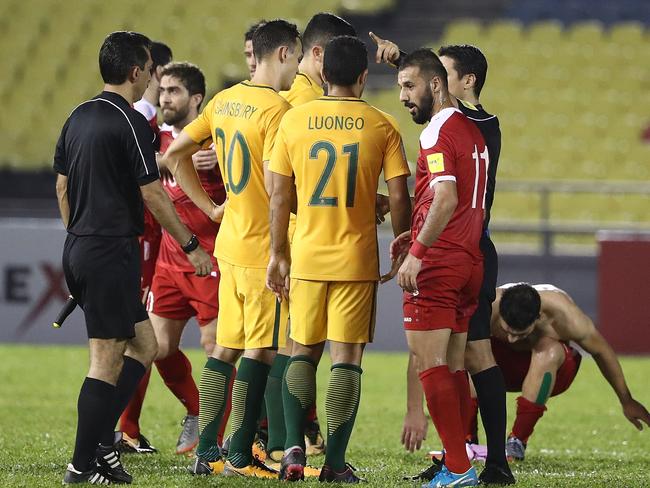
[[247, 399], [298, 394], [273, 402], [341, 403], [213, 398]]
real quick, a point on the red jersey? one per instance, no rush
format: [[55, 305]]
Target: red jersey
[[171, 255], [452, 149]]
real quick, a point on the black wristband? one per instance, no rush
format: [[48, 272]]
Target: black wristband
[[192, 244]]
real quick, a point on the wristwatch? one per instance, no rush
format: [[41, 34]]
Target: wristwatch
[[192, 244]]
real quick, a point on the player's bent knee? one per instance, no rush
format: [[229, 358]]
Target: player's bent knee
[[549, 354]]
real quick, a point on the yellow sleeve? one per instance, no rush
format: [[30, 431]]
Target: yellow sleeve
[[272, 122], [280, 161], [395, 163], [199, 129]]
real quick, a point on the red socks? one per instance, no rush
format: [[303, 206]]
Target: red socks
[[311, 414], [528, 413], [176, 372], [130, 418], [443, 400], [462, 383]]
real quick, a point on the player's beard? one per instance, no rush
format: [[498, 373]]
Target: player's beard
[[173, 117], [424, 109]]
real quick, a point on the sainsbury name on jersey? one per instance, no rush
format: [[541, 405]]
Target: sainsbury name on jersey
[[335, 122], [235, 109]]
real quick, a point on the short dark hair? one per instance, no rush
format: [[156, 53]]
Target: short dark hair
[[190, 76], [520, 305], [323, 27], [346, 57], [468, 59], [270, 36], [248, 36], [429, 64], [121, 51], [161, 54]]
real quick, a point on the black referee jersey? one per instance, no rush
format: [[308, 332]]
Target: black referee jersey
[[106, 151], [489, 126]]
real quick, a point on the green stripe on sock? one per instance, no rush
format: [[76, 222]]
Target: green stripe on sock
[[545, 389], [247, 398], [213, 396], [342, 404], [298, 394], [273, 402]]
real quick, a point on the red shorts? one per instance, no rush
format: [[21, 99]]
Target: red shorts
[[149, 247], [448, 293], [515, 364], [181, 295]]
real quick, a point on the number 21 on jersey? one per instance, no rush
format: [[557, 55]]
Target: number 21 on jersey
[[477, 164], [352, 152]]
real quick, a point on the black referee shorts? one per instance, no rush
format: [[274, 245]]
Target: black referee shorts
[[479, 324], [103, 274]]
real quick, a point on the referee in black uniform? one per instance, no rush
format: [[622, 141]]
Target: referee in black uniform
[[106, 166], [470, 67]]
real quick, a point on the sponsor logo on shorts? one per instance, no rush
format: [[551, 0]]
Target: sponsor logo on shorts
[[408, 319]]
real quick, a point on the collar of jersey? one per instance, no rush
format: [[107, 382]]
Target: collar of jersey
[[116, 97], [445, 112], [341, 99], [309, 79], [254, 85]]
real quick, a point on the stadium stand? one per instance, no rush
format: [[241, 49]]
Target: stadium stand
[[565, 77]]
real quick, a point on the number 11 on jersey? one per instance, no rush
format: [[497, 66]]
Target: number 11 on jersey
[[486, 157]]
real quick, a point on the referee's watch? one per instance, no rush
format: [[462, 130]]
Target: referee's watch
[[191, 245]]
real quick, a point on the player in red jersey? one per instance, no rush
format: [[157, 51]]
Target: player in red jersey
[[176, 296], [442, 267], [161, 54], [531, 329]]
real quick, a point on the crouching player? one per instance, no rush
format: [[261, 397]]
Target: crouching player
[[531, 330]]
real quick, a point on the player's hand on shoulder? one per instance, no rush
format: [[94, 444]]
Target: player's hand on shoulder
[[414, 430], [201, 261], [635, 412], [387, 51], [277, 276], [205, 159]]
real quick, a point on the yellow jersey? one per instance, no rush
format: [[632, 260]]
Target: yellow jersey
[[303, 90], [336, 149], [243, 121]]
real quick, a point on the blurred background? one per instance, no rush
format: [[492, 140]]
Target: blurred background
[[568, 79]]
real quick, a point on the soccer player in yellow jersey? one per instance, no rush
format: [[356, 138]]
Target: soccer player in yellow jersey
[[307, 86], [243, 121], [334, 149]]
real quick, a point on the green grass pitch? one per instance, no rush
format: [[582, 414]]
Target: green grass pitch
[[582, 441]]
